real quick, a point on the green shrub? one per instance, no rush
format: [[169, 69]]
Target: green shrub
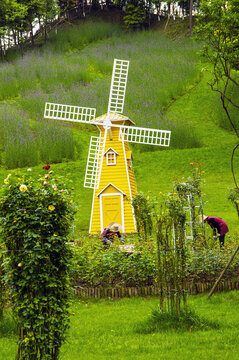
[[94, 265], [35, 218]]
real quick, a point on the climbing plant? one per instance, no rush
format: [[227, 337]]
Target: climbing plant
[[233, 196], [142, 210], [2, 288], [35, 217], [189, 191], [169, 223]]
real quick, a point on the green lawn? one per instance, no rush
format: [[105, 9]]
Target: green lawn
[[106, 329]]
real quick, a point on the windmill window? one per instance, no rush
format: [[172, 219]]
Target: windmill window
[[111, 158]]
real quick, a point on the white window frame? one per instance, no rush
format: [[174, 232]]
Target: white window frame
[[111, 160]]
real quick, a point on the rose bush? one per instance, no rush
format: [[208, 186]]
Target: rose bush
[[35, 222]]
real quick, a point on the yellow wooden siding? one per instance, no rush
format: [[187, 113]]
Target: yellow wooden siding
[[117, 176]]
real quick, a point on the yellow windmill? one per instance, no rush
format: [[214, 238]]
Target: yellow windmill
[[109, 170]]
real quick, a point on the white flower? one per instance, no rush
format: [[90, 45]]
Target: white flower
[[23, 188], [29, 169]]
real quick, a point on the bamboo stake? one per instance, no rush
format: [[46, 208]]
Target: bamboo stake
[[223, 272]]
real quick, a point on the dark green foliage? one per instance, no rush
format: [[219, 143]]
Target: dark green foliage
[[2, 288], [8, 326], [96, 266], [142, 211], [35, 220], [233, 196], [135, 16]]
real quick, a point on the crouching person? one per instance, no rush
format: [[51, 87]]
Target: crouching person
[[109, 233]]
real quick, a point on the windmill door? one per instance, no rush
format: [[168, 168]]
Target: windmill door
[[111, 208]]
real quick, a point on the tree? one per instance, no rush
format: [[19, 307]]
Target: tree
[[48, 11], [11, 18], [218, 26]]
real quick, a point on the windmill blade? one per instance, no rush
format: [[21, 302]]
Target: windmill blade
[[69, 113], [95, 161], [92, 174], [145, 135], [118, 86]]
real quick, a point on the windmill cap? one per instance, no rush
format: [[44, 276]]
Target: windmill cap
[[115, 227], [202, 218]]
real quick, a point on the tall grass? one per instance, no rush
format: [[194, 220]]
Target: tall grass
[[8, 81], [56, 144], [75, 37], [160, 70], [25, 143], [68, 71]]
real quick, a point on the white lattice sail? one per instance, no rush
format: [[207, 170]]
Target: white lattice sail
[[145, 135], [118, 86], [69, 113], [92, 174]]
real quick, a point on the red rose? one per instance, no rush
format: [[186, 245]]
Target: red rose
[[46, 167]]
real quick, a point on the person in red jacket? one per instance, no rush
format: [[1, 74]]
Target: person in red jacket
[[218, 225]]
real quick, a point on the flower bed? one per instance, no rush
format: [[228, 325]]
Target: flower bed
[[96, 266]]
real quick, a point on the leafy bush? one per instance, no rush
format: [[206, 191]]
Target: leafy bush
[[36, 218], [94, 265]]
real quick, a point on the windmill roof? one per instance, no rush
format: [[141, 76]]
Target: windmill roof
[[111, 149], [114, 117]]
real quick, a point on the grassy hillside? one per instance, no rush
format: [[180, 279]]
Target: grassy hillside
[[166, 89]]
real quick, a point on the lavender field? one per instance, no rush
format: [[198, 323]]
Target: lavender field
[[160, 71]]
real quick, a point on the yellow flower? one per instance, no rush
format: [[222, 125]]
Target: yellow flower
[[6, 181], [51, 207], [23, 188]]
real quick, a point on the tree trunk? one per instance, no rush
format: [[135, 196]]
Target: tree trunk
[[191, 16], [45, 30], [31, 33], [1, 49]]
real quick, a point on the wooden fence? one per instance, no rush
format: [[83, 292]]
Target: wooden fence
[[193, 288]]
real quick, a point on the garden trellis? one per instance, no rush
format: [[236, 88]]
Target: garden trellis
[[190, 192], [194, 206], [109, 170]]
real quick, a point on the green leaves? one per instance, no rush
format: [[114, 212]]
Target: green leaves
[[218, 27], [135, 15], [36, 220]]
